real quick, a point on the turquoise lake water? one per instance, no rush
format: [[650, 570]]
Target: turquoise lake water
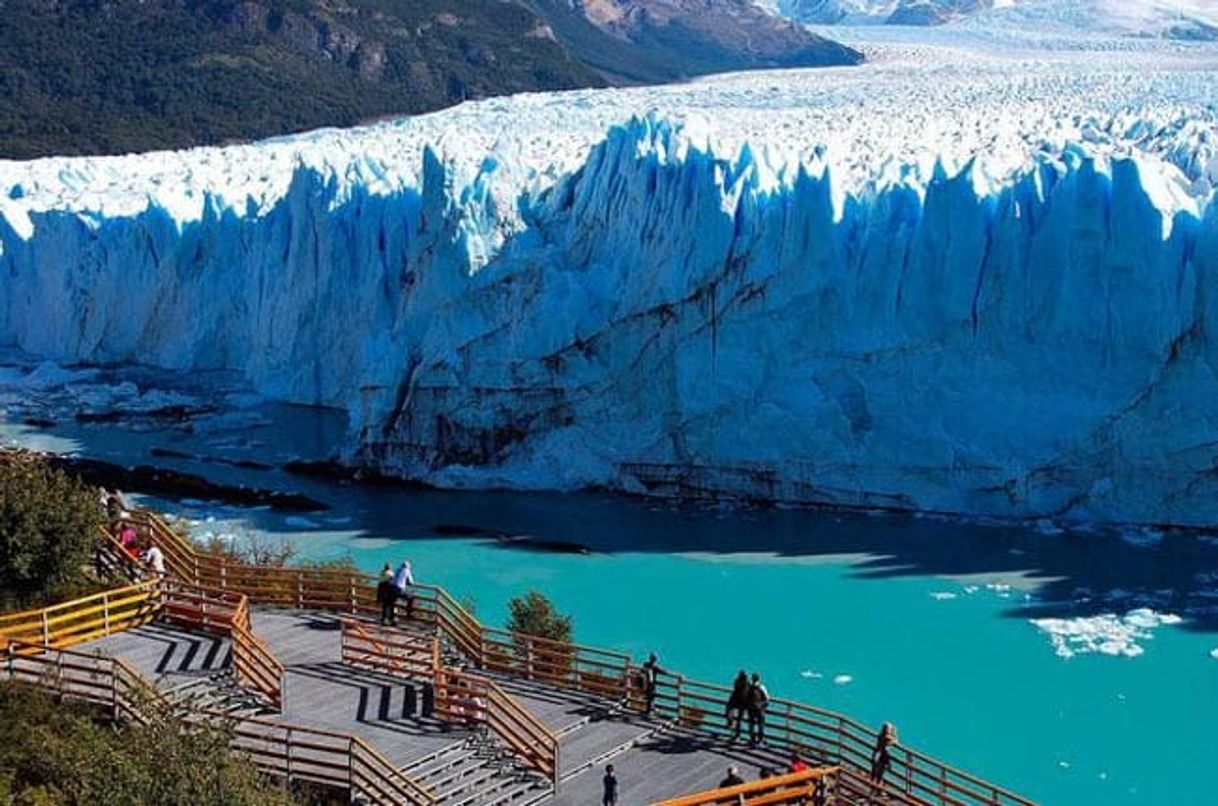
[[920, 621]]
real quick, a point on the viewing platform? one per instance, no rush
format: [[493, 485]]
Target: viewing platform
[[442, 710]]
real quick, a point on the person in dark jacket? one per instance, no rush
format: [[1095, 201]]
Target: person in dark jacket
[[881, 756], [387, 596], [610, 786], [758, 702], [733, 778], [649, 678], [737, 704]]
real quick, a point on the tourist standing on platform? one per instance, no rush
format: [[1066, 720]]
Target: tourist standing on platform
[[127, 539], [403, 580], [155, 560], [387, 596], [733, 778], [610, 784], [758, 702], [649, 677], [881, 757], [797, 764], [737, 703]]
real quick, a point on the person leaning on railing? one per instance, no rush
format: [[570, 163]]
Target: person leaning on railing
[[881, 757]]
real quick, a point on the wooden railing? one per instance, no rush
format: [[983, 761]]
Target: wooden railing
[[474, 700], [600, 672], [91, 617], [227, 613], [103, 681], [405, 653], [290, 752], [340, 760], [815, 787], [825, 736]]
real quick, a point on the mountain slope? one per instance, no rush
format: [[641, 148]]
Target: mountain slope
[[81, 76], [649, 41], [108, 76]]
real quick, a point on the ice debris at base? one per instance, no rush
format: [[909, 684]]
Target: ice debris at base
[[952, 281], [843, 679], [1107, 634]]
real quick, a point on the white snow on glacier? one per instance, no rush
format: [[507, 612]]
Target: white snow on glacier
[[950, 280]]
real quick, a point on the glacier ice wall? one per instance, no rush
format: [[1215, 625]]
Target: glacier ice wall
[[669, 321]]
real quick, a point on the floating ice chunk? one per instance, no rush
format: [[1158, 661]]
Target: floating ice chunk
[[808, 674], [1106, 634], [1214, 653], [942, 596], [843, 680]]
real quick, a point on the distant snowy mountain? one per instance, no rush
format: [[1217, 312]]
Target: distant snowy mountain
[[860, 12], [1170, 19]]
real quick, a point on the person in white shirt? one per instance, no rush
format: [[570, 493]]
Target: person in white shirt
[[402, 580], [155, 560]]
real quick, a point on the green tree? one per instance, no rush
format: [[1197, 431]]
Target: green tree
[[48, 522], [534, 614], [53, 753]]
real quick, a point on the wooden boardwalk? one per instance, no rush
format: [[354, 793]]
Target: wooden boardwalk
[[654, 760]]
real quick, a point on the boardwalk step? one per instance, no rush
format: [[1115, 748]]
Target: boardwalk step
[[429, 762], [441, 769], [488, 789], [520, 794]]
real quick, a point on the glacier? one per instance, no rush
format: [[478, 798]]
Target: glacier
[[985, 289]]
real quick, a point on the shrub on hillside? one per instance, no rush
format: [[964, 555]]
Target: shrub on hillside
[[48, 522], [60, 754]]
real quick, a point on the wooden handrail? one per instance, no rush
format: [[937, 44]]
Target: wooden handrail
[[473, 700], [795, 787], [69, 623], [408, 654]]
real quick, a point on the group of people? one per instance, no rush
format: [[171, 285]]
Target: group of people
[[144, 560], [610, 784], [881, 761], [150, 559], [749, 699], [395, 585]]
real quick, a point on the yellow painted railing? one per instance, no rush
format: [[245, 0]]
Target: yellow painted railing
[[70, 623]]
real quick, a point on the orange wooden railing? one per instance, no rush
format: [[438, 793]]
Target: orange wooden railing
[[406, 653], [291, 752], [821, 735], [815, 787], [226, 613], [473, 700]]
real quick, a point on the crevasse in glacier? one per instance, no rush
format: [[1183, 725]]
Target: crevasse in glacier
[[668, 320]]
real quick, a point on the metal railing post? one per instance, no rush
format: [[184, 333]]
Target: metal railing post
[[106, 613], [46, 630]]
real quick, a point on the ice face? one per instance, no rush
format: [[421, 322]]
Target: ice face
[[981, 290]]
